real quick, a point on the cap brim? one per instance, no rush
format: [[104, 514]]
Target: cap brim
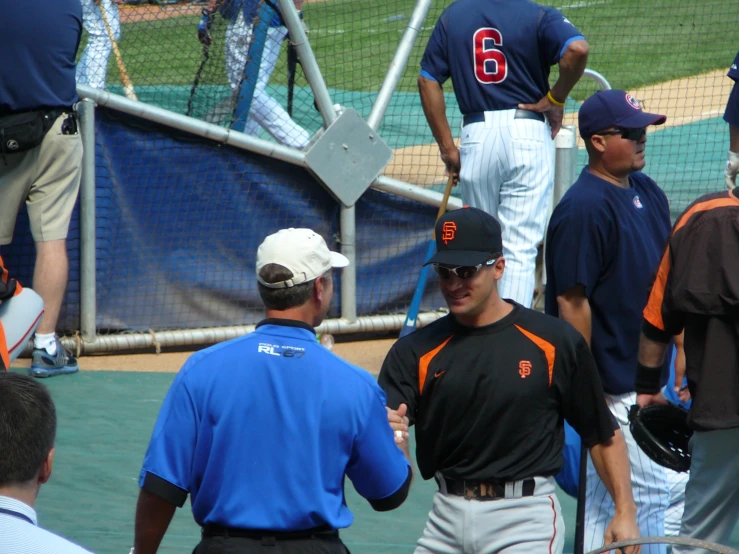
[[459, 257], [338, 260], [642, 119]]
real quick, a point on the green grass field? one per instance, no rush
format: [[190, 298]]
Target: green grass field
[[633, 42]]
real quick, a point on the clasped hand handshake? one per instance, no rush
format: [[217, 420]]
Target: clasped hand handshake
[[399, 423]]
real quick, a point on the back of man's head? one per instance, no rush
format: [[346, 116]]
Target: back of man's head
[[288, 263], [27, 428]]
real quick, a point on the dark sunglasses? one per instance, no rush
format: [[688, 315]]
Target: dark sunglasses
[[461, 271], [627, 134]]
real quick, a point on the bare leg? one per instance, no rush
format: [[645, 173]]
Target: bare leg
[[50, 281]]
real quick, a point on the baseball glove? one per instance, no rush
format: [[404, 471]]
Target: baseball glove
[[662, 432]]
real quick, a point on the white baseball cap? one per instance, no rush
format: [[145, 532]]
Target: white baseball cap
[[302, 251]]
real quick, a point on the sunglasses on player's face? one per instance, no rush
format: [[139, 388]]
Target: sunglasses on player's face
[[627, 134], [461, 271]]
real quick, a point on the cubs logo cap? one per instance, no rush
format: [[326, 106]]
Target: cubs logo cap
[[302, 251], [614, 108], [468, 236]]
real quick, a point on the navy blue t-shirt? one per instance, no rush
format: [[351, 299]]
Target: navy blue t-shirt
[[497, 52], [262, 430], [38, 47], [610, 240], [731, 115]]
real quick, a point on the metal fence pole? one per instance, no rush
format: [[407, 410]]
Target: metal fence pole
[[308, 61], [348, 215], [598, 78], [88, 296], [397, 66], [325, 106], [565, 162]]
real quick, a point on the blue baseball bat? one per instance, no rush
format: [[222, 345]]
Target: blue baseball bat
[[409, 325]]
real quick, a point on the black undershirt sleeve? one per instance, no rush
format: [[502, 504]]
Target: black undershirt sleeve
[[164, 489], [655, 333], [584, 402], [394, 500], [398, 379]]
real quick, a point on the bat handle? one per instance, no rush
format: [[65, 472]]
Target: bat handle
[[129, 92]]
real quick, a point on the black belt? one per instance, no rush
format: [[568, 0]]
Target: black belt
[[485, 490], [265, 534], [478, 117]]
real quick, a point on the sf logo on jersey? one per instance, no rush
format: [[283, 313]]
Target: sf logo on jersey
[[448, 231], [524, 368]]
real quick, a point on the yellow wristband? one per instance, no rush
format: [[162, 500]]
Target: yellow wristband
[[553, 100]]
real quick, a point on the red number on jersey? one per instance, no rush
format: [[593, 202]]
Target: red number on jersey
[[486, 55]]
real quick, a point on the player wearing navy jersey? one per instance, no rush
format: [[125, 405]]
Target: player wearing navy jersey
[[498, 55], [696, 291], [604, 243], [487, 388], [262, 430], [731, 116], [265, 112]]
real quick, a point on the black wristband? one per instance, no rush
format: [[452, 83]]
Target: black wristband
[[647, 379]]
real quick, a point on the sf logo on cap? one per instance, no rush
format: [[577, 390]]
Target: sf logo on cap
[[447, 231]]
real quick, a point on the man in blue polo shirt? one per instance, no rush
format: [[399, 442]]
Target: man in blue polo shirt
[[604, 243], [262, 430]]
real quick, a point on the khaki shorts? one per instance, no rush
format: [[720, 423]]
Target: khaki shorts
[[47, 179]]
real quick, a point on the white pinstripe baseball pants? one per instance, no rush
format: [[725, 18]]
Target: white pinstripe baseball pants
[[93, 65], [508, 171], [265, 111], [649, 483]]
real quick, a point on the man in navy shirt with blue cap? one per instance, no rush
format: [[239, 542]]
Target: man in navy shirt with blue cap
[[604, 244], [262, 430]]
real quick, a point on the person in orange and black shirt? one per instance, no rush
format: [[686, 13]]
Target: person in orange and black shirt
[[696, 289], [488, 387], [8, 288]]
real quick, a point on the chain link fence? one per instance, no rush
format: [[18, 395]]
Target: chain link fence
[[671, 54]]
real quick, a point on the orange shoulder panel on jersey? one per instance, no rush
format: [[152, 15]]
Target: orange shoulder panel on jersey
[[425, 361], [5, 277], [549, 349], [4, 353], [653, 310]]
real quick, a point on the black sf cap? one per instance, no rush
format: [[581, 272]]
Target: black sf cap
[[467, 236]]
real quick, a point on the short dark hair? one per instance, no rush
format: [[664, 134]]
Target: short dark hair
[[27, 427], [284, 298]]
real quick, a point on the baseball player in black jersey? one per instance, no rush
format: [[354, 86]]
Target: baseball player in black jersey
[[696, 290], [488, 387]]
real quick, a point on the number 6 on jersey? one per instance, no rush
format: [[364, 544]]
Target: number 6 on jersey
[[485, 54]]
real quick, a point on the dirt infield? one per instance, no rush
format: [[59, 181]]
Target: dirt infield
[[683, 101], [366, 354], [154, 12], [151, 12]]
